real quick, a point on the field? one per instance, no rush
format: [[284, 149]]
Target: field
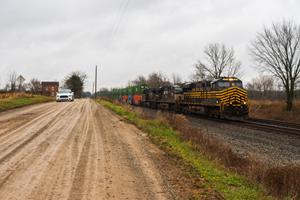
[[7, 95], [266, 109], [15, 100]]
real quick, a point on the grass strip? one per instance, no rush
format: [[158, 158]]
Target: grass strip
[[11, 103], [226, 183]]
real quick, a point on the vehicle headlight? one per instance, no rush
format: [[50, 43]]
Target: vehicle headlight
[[245, 102]]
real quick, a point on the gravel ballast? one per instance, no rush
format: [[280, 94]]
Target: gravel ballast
[[277, 149]]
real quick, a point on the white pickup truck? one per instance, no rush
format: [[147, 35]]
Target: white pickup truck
[[64, 95]]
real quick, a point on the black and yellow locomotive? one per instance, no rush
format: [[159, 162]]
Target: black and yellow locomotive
[[223, 97]]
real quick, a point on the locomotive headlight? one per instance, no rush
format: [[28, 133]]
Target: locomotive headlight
[[245, 102]]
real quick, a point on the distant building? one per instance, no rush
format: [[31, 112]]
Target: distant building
[[50, 88]]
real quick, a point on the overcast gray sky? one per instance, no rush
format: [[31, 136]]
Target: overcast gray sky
[[47, 39]]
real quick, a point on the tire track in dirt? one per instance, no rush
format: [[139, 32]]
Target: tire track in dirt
[[134, 168], [16, 145], [11, 119], [26, 126]]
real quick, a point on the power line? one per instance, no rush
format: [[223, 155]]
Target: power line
[[117, 16], [120, 14]]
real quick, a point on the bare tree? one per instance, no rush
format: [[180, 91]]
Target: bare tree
[[176, 79], [277, 50], [12, 81], [234, 69], [156, 80], [263, 87], [268, 83], [140, 80], [200, 73], [35, 85], [263, 83], [220, 61]]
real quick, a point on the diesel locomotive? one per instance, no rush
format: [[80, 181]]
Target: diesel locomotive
[[224, 97]]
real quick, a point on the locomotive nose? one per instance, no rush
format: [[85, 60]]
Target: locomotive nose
[[234, 101], [234, 97]]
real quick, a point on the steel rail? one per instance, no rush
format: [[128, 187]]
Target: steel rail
[[261, 125]]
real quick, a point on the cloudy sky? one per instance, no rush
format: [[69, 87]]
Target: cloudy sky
[[47, 39]]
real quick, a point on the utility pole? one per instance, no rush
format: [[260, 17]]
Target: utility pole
[[96, 82]]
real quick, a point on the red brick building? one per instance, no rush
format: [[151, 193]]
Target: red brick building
[[50, 88]]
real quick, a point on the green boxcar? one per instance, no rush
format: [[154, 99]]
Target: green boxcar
[[117, 93]]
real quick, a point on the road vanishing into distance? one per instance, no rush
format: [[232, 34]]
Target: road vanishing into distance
[[72, 151]]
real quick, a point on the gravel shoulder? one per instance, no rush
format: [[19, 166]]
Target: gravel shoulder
[[276, 149], [75, 151]]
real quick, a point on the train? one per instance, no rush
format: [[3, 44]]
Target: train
[[224, 97]]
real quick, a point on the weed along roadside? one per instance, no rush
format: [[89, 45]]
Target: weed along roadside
[[17, 102], [228, 184]]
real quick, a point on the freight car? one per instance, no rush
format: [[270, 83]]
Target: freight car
[[131, 94], [223, 97], [167, 97]]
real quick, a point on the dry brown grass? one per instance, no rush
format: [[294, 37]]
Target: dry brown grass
[[7, 95], [266, 109], [279, 181]]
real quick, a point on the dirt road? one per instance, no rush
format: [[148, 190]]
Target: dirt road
[[75, 151]]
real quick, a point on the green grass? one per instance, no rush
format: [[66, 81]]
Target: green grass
[[11, 103], [226, 183]]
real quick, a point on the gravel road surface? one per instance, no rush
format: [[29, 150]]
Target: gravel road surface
[[72, 151]]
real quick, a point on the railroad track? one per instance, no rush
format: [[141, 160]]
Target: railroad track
[[273, 126], [275, 122]]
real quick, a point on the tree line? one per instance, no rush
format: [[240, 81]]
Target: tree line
[[17, 83]]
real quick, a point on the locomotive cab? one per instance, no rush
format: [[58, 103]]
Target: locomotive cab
[[223, 83]]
